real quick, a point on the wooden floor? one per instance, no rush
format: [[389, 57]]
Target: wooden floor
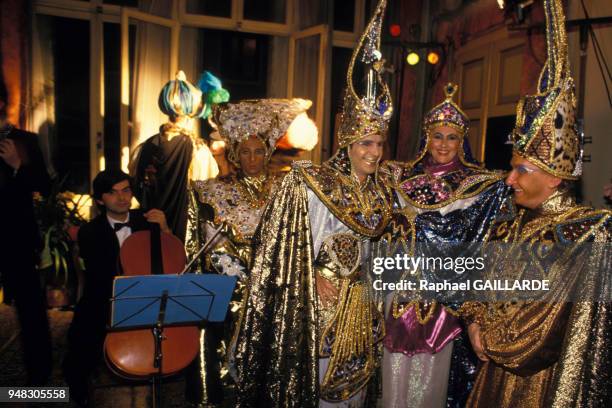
[[107, 391]]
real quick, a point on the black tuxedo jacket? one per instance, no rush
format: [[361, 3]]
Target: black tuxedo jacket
[[99, 248]]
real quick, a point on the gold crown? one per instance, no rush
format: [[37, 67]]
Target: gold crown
[[370, 113]]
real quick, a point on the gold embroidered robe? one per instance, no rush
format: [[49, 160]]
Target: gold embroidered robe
[[550, 352], [286, 330]]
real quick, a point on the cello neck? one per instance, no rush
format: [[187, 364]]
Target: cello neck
[[157, 264]]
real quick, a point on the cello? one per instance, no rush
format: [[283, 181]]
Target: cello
[[152, 354]]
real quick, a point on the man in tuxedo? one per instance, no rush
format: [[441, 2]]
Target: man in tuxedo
[[22, 173], [99, 244]]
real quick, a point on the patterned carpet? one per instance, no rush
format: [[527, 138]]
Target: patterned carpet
[[107, 391]]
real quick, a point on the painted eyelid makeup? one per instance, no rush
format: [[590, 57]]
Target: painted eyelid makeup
[[521, 169]]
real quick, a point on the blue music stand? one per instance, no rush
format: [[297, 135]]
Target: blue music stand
[[192, 299], [158, 301]]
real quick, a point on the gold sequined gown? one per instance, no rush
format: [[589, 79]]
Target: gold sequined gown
[[233, 203], [549, 353], [293, 350]]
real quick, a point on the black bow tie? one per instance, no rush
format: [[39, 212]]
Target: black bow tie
[[119, 225]]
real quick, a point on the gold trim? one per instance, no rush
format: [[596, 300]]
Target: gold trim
[[456, 195], [544, 167], [341, 213]]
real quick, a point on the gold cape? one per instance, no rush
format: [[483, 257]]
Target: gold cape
[[279, 342], [234, 203], [282, 293], [550, 352]]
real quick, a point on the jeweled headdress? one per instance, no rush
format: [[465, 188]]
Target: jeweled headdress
[[370, 113], [447, 113], [545, 132], [267, 119]]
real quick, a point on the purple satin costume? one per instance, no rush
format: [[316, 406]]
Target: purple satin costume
[[408, 336]]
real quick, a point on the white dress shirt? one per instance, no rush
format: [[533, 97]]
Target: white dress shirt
[[124, 232]]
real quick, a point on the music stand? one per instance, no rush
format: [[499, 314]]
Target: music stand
[[158, 301]]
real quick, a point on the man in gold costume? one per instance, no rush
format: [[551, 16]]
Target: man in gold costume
[[234, 203], [310, 331], [548, 351]]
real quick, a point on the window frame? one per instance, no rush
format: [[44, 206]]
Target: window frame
[[98, 13]]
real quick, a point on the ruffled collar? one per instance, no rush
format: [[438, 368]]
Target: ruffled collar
[[432, 186]]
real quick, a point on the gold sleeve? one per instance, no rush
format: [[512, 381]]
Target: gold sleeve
[[529, 336], [472, 312]]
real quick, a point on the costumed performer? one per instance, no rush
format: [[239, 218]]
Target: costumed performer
[[549, 351], [311, 330], [444, 196], [165, 164], [235, 202]]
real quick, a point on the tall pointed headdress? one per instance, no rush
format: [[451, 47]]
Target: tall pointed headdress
[[370, 112], [545, 132]]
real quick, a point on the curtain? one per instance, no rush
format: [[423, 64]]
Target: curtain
[[41, 118], [150, 73], [14, 56]]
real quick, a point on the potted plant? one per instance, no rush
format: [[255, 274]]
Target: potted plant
[[57, 214]]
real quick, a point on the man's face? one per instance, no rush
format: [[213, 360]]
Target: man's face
[[118, 200], [532, 186], [444, 143], [252, 156], [365, 155]]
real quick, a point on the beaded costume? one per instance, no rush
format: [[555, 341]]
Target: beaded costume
[[294, 350], [235, 204], [436, 203], [550, 352]]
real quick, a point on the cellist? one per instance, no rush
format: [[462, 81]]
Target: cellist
[[99, 244]]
